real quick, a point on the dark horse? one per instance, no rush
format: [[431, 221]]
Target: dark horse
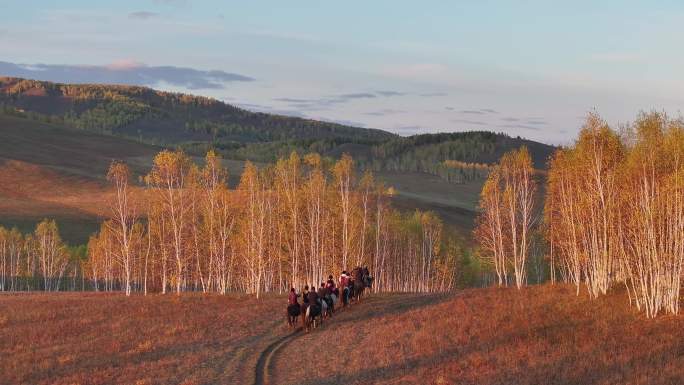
[[361, 279], [311, 316], [293, 312]]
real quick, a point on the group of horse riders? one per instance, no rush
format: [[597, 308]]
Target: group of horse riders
[[318, 303]]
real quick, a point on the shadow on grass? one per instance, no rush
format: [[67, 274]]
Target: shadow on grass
[[388, 305]]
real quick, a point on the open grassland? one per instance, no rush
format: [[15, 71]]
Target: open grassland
[[30, 193], [69, 150], [540, 335], [432, 189], [48, 171], [455, 203], [101, 338]]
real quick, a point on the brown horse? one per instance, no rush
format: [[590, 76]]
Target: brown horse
[[361, 279], [358, 284]]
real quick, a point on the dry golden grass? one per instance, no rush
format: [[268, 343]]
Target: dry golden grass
[[541, 335], [33, 191], [96, 338]]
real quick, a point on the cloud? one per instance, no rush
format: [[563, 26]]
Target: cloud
[[481, 111], [384, 112], [390, 93], [433, 94], [310, 104], [125, 64], [325, 102], [142, 15], [360, 95], [449, 108], [474, 122], [520, 126], [124, 72], [294, 100], [527, 122]]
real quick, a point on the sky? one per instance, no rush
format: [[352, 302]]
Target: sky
[[527, 68]]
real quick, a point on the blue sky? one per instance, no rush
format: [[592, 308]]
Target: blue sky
[[528, 68]]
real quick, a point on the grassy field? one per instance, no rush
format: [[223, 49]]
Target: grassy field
[[98, 338], [456, 204], [540, 335], [71, 151]]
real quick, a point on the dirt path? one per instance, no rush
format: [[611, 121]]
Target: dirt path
[[271, 365], [264, 366]]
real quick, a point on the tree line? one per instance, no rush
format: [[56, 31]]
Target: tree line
[[286, 224], [38, 261], [613, 212], [459, 157]]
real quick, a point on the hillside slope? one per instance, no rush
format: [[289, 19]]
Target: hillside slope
[[540, 335]]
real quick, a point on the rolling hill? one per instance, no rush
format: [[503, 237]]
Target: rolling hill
[[163, 117], [65, 135]]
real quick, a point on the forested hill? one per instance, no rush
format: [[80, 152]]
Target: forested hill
[[456, 157], [164, 117], [197, 123]]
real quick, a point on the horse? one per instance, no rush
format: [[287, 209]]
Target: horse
[[367, 278], [358, 283], [324, 308], [346, 294], [328, 303], [334, 299], [293, 311], [311, 313], [361, 279]]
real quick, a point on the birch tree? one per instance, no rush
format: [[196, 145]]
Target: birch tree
[[123, 217]]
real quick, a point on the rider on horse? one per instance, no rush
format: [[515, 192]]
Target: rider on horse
[[292, 297], [312, 297], [344, 286], [331, 286], [305, 294], [323, 291], [293, 307]]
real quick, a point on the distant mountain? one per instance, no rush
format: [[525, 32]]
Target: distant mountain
[[164, 117]]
